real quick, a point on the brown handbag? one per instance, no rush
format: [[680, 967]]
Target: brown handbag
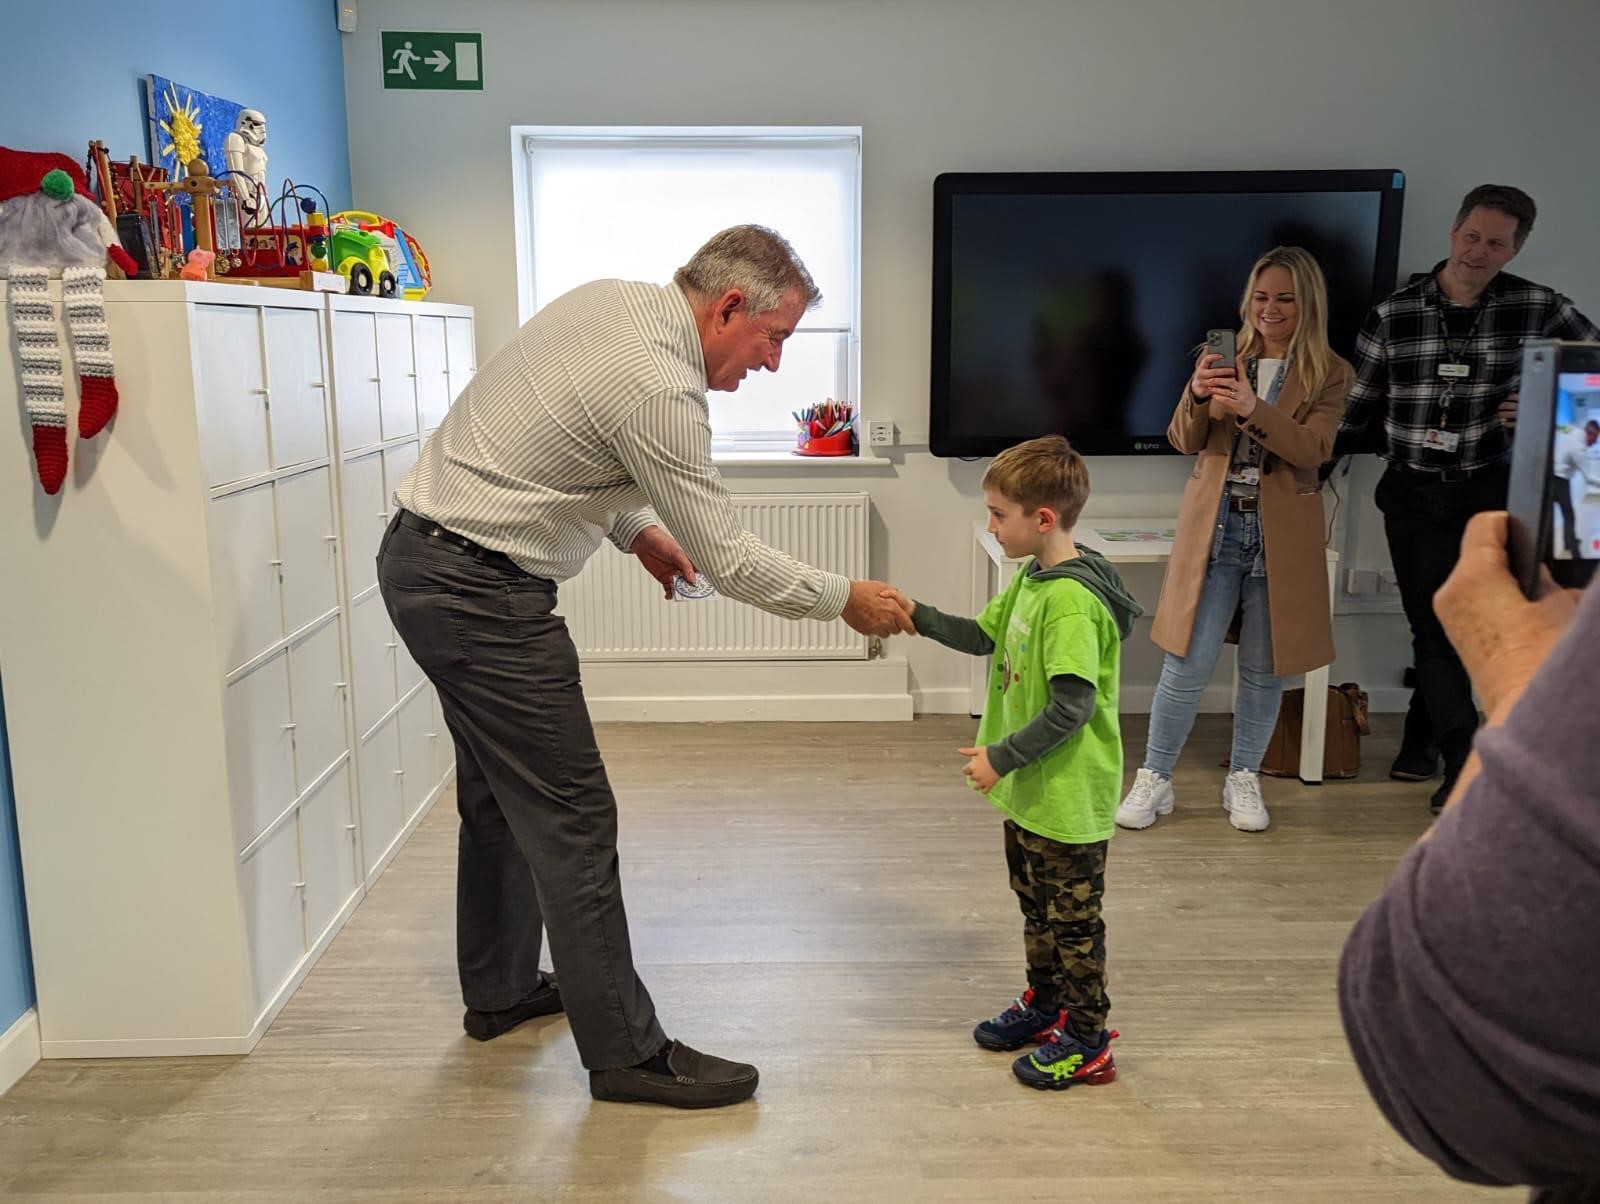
[[1347, 723]]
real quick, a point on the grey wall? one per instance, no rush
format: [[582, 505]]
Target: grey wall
[[1454, 92]]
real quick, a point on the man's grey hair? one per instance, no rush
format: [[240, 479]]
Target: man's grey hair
[[757, 261]]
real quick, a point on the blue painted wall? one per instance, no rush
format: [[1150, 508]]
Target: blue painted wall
[[75, 71], [16, 971]]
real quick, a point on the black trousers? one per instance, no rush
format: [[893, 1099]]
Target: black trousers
[[538, 839], [1424, 519], [1562, 489]]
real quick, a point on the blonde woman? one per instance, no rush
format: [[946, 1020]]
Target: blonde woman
[[1249, 549]]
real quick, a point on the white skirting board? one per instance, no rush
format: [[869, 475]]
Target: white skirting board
[[727, 691], [19, 1049]]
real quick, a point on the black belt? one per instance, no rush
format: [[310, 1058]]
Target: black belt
[[1244, 503], [1450, 475], [431, 529]]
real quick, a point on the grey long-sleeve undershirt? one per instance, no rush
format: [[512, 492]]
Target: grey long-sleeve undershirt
[[1071, 697]]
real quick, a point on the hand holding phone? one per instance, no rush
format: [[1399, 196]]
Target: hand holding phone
[[1552, 372], [1217, 363]]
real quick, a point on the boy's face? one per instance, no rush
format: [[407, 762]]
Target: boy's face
[[1018, 532]]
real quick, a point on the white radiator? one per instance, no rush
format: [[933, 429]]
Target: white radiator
[[616, 611]]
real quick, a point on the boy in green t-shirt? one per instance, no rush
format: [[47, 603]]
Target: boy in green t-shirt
[[1049, 752]]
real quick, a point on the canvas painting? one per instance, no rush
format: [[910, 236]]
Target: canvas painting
[[186, 122]]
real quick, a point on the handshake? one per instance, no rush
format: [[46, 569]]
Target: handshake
[[875, 608]]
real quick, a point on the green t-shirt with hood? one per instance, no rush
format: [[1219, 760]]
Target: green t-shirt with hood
[[1066, 620]]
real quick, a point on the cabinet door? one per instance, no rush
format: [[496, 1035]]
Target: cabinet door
[[416, 753], [463, 360], [355, 374], [307, 546], [397, 461], [232, 409], [328, 852], [397, 376], [274, 912], [296, 386], [380, 793], [245, 574], [259, 732], [433, 376], [372, 647], [366, 514], [316, 694]]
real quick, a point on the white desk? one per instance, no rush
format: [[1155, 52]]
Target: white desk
[[992, 571]]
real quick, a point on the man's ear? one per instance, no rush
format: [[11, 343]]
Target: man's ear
[[727, 305]]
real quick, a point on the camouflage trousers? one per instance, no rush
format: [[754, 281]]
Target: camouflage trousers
[[1059, 887]]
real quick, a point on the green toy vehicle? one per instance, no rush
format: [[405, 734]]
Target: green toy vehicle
[[360, 258]]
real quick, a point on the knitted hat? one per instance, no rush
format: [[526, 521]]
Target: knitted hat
[[21, 172]]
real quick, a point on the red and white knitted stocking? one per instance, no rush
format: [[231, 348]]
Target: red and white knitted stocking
[[85, 304], [43, 387]]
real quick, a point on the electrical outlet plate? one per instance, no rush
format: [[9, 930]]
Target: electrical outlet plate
[[880, 433]]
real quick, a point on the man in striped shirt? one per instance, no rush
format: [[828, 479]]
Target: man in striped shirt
[[591, 423], [1438, 362]]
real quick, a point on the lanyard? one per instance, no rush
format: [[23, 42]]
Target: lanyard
[[1456, 349]]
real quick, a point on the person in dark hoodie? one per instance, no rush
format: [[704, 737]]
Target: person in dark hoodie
[[1049, 752]]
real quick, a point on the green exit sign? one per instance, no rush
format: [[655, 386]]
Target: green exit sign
[[441, 61]]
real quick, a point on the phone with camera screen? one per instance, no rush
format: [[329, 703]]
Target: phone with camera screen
[[1221, 342], [1553, 500]]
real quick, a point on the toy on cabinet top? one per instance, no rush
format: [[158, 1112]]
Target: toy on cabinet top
[[410, 265], [246, 153], [306, 250], [49, 225]]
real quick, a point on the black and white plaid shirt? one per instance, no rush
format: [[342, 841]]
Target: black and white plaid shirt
[[1406, 338]]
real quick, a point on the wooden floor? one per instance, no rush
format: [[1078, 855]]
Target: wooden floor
[[857, 924]]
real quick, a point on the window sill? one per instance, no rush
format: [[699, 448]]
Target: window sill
[[784, 459]]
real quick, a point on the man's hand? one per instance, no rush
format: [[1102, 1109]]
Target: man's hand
[[1501, 637], [869, 611], [1507, 410], [662, 557], [979, 770]]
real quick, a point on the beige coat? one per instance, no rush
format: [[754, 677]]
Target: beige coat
[[1297, 437]]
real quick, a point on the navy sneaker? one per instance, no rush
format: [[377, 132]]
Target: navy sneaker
[[1018, 1025], [1067, 1059]]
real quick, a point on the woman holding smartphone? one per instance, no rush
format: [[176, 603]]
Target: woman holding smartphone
[[1248, 555]]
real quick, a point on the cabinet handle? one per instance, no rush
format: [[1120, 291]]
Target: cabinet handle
[[399, 773], [261, 392], [341, 685], [277, 564], [299, 886], [317, 384], [288, 727], [410, 373], [392, 644], [349, 827], [330, 539], [375, 379]]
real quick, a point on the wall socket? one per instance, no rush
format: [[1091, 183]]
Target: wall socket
[[880, 433]]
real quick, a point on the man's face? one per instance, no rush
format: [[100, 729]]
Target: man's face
[[1481, 245], [737, 341], [1590, 434]]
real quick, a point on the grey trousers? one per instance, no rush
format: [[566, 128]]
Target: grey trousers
[[538, 840]]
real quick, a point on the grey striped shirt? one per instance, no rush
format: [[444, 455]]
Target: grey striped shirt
[[588, 424]]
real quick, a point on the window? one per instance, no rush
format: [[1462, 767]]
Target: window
[[635, 203]]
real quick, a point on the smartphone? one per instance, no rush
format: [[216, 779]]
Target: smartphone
[[1555, 449], [1221, 342]]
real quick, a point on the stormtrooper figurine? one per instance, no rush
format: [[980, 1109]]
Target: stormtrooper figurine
[[246, 152]]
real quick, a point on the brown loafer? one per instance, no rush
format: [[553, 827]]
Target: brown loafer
[[486, 1026], [697, 1081]]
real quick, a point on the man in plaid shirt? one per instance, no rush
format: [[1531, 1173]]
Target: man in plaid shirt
[[1438, 361]]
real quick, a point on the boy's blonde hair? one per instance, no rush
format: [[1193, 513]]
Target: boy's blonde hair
[[1042, 472]]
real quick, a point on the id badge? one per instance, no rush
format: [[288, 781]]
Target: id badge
[[1245, 476], [1455, 371], [1444, 441]]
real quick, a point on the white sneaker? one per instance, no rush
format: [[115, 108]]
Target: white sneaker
[[1241, 799], [1150, 797]]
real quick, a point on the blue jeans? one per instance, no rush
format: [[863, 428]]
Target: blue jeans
[[1237, 575]]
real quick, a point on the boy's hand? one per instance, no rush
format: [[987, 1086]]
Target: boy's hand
[[979, 770], [892, 594]]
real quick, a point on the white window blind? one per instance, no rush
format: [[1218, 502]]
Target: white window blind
[[636, 203]]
